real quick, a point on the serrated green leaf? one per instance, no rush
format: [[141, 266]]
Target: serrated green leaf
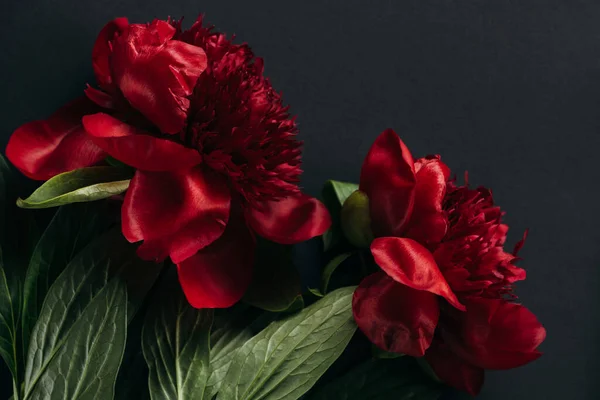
[[71, 229], [80, 185], [398, 378], [276, 283], [109, 257], [176, 345], [286, 359], [330, 269], [334, 194], [85, 361]]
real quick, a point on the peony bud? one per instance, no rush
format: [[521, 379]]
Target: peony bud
[[356, 220]]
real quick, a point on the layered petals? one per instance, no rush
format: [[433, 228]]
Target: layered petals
[[388, 178], [395, 317], [428, 221], [43, 149], [176, 213], [156, 74], [102, 51], [496, 334], [136, 148], [411, 264], [218, 275], [454, 371], [293, 219]]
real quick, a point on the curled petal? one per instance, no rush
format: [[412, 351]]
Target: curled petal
[[137, 148], [496, 334], [293, 219], [218, 275], [395, 317], [176, 213], [43, 149], [388, 178], [102, 51], [454, 371], [156, 74], [411, 264], [428, 221]]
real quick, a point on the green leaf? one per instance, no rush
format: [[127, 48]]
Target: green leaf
[[398, 378], [276, 283], [15, 234], [334, 194], [85, 361], [231, 329], [80, 185], [286, 359], [176, 345], [71, 229], [378, 353], [330, 269], [109, 257]]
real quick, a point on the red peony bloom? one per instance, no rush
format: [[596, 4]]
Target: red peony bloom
[[445, 289], [215, 150]]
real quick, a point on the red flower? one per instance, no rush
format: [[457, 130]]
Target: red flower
[[215, 150], [444, 291]]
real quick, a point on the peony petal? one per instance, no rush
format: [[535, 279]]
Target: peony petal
[[102, 51], [137, 148], [395, 317], [156, 74], [176, 213], [496, 334], [454, 371], [43, 149], [292, 220], [411, 264], [428, 221], [218, 275], [388, 178]]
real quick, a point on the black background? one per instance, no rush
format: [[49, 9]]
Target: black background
[[508, 90]]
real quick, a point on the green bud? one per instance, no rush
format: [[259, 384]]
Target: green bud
[[356, 220]]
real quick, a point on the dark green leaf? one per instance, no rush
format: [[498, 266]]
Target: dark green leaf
[[14, 251], [176, 345], [275, 283], [80, 185], [85, 360], [334, 194], [330, 269], [286, 359], [71, 229], [399, 378], [109, 257]]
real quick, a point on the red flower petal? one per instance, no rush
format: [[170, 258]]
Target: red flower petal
[[388, 178], [218, 275], [43, 149], [291, 220], [381, 311], [496, 334], [176, 213], [454, 371], [102, 51], [156, 74], [428, 221], [137, 148], [411, 264]]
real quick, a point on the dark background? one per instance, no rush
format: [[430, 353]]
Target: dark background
[[508, 90]]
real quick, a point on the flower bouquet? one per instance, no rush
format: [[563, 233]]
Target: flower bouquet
[[164, 266]]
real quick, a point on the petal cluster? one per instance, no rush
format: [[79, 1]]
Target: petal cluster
[[440, 250], [214, 147]]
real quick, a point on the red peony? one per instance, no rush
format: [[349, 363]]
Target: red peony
[[215, 150], [445, 286]]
